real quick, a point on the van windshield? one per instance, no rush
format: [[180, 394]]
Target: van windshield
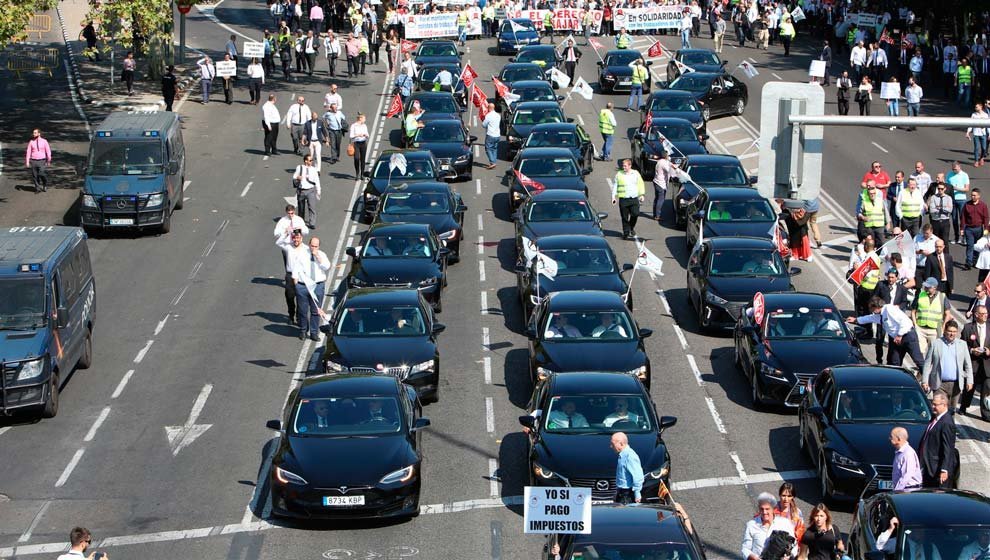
[[125, 158], [22, 303]]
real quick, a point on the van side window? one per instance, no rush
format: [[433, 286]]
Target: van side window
[[66, 282], [81, 266]]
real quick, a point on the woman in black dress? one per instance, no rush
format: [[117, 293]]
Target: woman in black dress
[[821, 540]]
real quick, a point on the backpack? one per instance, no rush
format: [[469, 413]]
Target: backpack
[[778, 545]]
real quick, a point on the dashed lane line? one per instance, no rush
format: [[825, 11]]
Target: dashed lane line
[[881, 148], [122, 384], [96, 424], [67, 472], [746, 140], [26, 535], [725, 129]]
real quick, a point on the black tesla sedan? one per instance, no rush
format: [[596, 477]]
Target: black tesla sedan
[[350, 448], [717, 92], [648, 143], [564, 135], [644, 531], [706, 170], [586, 330], [729, 212], [677, 105], [584, 262], [389, 332], [556, 212], [437, 50], [525, 90], [615, 71], [724, 273], [798, 335], [699, 60], [420, 166], [845, 420], [525, 117], [400, 256], [450, 144], [553, 168], [428, 72], [570, 421], [433, 204]]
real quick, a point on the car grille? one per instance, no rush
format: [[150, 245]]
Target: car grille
[[121, 203], [794, 397], [9, 373], [400, 371], [343, 491], [445, 161], [596, 492], [884, 472], [393, 285]]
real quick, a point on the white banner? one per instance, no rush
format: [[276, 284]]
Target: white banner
[[549, 511], [863, 19], [226, 68], [428, 26], [657, 17], [564, 19], [817, 69], [251, 49], [890, 90]]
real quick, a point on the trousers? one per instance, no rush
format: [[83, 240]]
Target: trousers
[[271, 137], [629, 212], [316, 151], [306, 205], [491, 148], [334, 139], [296, 133], [290, 294], [39, 174], [908, 346], [206, 85], [659, 195], [308, 313]]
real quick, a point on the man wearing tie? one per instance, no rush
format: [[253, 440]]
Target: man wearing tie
[[314, 136], [321, 411], [207, 71], [295, 120], [937, 449], [893, 291], [310, 46], [975, 336], [979, 548], [310, 274], [571, 56], [939, 266], [566, 417]]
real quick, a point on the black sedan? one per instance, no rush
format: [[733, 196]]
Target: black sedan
[[435, 104], [437, 50], [584, 262], [564, 135], [400, 256], [729, 212], [420, 166], [521, 71], [552, 168], [675, 104], [428, 73], [510, 38], [797, 336], [525, 90], [448, 141], [586, 330], [717, 93], [699, 60], [390, 332], [708, 170], [631, 531], [724, 273], [571, 419], [556, 212], [527, 115], [432, 204], [682, 140], [615, 71], [544, 56], [846, 417], [350, 448]]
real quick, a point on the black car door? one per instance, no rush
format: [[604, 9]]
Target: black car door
[[694, 225], [696, 269], [412, 411], [817, 424], [717, 97], [748, 338]]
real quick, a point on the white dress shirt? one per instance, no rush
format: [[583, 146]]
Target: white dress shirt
[[331, 46], [895, 322], [857, 55], [270, 114], [755, 535], [71, 555], [308, 268], [492, 123], [207, 71], [309, 178], [284, 227], [293, 253], [298, 114], [331, 98], [256, 71], [927, 246]]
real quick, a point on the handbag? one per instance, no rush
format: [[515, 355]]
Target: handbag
[[350, 150]]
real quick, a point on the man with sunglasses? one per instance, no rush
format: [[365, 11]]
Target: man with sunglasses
[[940, 210], [872, 213], [878, 175], [79, 540]]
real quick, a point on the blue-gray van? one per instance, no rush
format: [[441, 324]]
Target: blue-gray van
[[47, 305], [135, 174]]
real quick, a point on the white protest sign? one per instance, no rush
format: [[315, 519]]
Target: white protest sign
[[557, 510], [890, 90], [817, 69], [252, 49], [655, 17], [226, 68]]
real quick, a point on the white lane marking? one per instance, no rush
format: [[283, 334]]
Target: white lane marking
[[481, 222], [1, 159], [122, 384], [178, 297], [180, 437], [718, 419], [663, 300], [487, 365], [739, 466], [840, 241], [826, 218], [774, 74], [69, 468], [484, 302], [580, 119], [96, 425], [737, 142], [26, 535], [75, 97], [749, 155], [753, 170], [477, 150], [477, 183], [161, 325], [474, 120], [247, 187], [264, 158], [4, 430], [209, 248], [492, 469], [195, 269], [208, 12], [680, 337], [481, 270], [881, 148], [143, 352], [486, 340], [481, 244], [736, 481], [725, 129], [489, 415], [753, 60], [695, 370]]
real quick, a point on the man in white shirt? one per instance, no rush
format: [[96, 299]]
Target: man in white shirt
[[562, 328], [621, 413], [409, 66], [285, 226], [332, 97], [901, 336], [686, 25], [857, 59], [924, 244], [295, 119], [207, 71], [444, 79], [661, 175], [759, 529], [877, 63], [493, 132], [566, 417], [270, 119], [921, 176], [331, 47], [309, 271], [79, 541], [307, 181], [912, 95], [289, 254], [608, 325], [335, 122]]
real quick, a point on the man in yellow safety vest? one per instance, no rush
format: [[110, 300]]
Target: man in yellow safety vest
[[930, 310], [628, 190], [607, 124]]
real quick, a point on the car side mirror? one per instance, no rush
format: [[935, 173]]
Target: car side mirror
[[61, 317], [748, 329], [638, 136], [602, 215], [351, 252], [649, 63], [326, 329], [667, 422], [627, 267], [420, 423], [367, 174], [586, 172], [752, 179], [274, 425], [699, 215], [704, 137], [439, 328], [528, 421], [601, 63], [570, 119], [560, 98], [173, 167], [723, 63], [512, 59], [462, 208], [645, 333], [472, 139], [460, 53], [530, 332], [794, 272], [521, 267]]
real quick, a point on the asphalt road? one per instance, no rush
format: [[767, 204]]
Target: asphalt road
[[200, 312]]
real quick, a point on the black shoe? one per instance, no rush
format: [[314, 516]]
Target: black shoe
[[302, 335], [625, 236], [967, 267], [633, 234], [315, 337]]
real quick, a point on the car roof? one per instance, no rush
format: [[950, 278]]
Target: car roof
[[693, 51], [134, 125], [572, 241], [558, 195], [537, 105], [522, 20], [348, 386], [438, 41], [385, 228], [585, 300], [537, 47], [421, 186], [671, 93], [723, 243], [34, 245], [696, 159], [583, 383], [791, 300], [667, 121], [940, 508], [621, 51], [531, 83], [873, 376], [733, 193], [545, 153], [513, 65], [409, 154], [381, 296], [419, 94], [449, 121], [565, 126], [444, 64], [635, 524], [708, 75]]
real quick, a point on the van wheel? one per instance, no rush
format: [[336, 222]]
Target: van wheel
[[86, 359], [51, 405], [182, 194], [167, 223]]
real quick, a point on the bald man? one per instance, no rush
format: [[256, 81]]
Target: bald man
[[628, 471], [907, 468]]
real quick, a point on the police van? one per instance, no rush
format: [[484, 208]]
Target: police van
[[47, 298], [135, 174]]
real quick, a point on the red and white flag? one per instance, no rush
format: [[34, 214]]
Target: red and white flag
[[594, 43], [501, 89], [655, 50], [480, 101], [529, 185], [468, 75], [407, 46], [871, 263], [395, 107]]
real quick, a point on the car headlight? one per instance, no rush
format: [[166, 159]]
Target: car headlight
[[401, 475], [462, 159], [714, 299], [535, 300], [542, 472], [448, 235], [639, 372], [370, 196], [702, 103], [514, 139], [288, 477], [155, 200], [609, 77], [772, 372], [843, 462], [543, 372], [333, 366], [698, 125], [428, 282], [660, 473], [89, 202], [517, 195], [422, 366], [31, 370], [654, 157]]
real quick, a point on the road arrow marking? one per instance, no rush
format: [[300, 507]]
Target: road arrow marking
[[181, 436]]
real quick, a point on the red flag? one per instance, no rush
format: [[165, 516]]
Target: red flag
[[468, 75], [480, 101], [500, 88], [649, 122], [594, 43], [529, 185], [869, 265], [395, 107], [778, 237], [986, 283], [407, 46], [886, 38], [655, 50]]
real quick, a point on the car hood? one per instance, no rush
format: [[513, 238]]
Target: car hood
[[619, 70], [22, 345], [600, 355], [742, 289], [570, 183], [739, 229], [589, 456], [707, 68], [807, 356], [124, 184], [441, 223], [388, 350], [685, 147], [395, 270], [330, 462], [446, 59], [518, 36], [521, 130], [862, 440], [443, 150], [611, 282], [536, 230]]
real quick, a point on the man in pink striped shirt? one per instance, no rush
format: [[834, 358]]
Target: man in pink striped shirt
[[38, 157]]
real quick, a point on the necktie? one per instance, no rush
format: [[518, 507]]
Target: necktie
[[570, 421], [924, 437], [941, 265], [980, 333]]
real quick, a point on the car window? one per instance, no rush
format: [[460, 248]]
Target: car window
[[535, 93], [538, 116], [23, 303], [584, 326], [552, 139], [415, 169], [548, 167], [381, 246], [673, 132], [804, 323], [444, 104], [351, 416], [690, 82], [883, 404], [441, 132], [718, 175], [673, 104], [443, 49], [428, 73], [945, 543], [116, 157], [747, 262], [621, 58], [559, 211], [540, 57], [523, 73], [694, 58], [507, 28], [741, 211], [598, 413], [416, 203], [381, 321], [572, 262]]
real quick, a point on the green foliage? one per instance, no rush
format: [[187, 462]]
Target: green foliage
[[14, 16], [120, 21]]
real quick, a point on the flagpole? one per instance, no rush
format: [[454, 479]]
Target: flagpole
[[470, 103], [837, 290]]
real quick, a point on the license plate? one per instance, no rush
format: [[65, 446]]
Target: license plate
[[801, 388], [885, 485], [625, 83], [122, 221], [444, 167], [338, 501]]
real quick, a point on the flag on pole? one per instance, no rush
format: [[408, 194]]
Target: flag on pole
[[748, 69], [871, 263], [682, 68], [682, 175], [395, 107], [529, 249], [468, 75], [986, 283], [563, 80], [397, 161], [798, 14], [582, 88], [570, 37], [886, 38], [594, 43], [516, 28], [501, 89], [656, 49], [546, 265], [902, 244], [780, 240], [648, 260], [480, 101], [530, 186], [407, 46]]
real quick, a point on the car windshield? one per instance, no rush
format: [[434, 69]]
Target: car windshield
[[507, 27], [624, 58], [712, 175], [695, 58], [677, 103], [441, 132], [382, 246], [559, 211], [948, 543], [538, 56], [437, 49], [444, 104], [428, 73], [552, 139], [416, 203], [747, 262], [547, 167], [347, 416], [523, 73], [381, 321], [659, 551], [538, 116], [577, 414], [415, 169], [572, 262], [22, 303], [572, 326], [674, 132], [740, 211], [882, 404], [805, 323], [690, 82], [118, 157], [535, 93]]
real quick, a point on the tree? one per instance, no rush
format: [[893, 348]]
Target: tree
[[142, 26], [14, 16]]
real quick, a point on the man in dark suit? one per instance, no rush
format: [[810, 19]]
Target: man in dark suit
[[938, 265], [977, 338], [891, 290], [315, 136], [937, 450], [570, 55]]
